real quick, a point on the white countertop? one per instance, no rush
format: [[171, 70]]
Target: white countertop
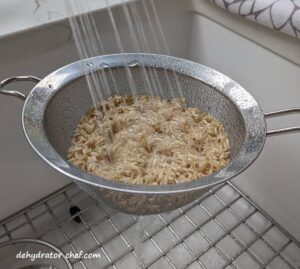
[[20, 15]]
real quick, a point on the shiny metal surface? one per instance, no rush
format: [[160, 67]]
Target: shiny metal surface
[[282, 113], [53, 108], [17, 94], [222, 229]]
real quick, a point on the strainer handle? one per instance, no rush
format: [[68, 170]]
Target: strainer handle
[[282, 113], [17, 94]]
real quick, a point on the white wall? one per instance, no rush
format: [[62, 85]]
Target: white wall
[[273, 181]]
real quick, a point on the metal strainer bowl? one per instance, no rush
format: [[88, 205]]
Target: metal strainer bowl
[[53, 108]]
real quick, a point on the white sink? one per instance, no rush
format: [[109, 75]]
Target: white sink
[[269, 72]]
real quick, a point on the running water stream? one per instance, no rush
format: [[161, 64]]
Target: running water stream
[[140, 228], [89, 42]]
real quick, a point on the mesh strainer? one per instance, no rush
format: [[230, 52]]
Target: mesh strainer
[[55, 105]]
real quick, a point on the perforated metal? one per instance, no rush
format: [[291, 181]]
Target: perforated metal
[[54, 106]]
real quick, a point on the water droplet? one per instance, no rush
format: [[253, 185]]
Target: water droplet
[[104, 65], [133, 63], [90, 64]]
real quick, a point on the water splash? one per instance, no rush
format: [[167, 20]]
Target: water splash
[[104, 65], [133, 64]]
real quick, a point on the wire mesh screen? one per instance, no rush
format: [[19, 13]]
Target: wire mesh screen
[[74, 99], [223, 229]]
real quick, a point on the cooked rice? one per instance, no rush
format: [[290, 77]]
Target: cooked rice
[[148, 140]]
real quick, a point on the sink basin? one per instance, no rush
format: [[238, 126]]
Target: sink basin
[[266, 63]]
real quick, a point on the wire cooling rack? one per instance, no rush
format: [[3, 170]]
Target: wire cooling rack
[[223, 229]]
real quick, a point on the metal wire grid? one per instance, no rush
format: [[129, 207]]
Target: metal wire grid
[[223, 229]]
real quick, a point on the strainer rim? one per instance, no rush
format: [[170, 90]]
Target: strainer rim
[[38, 99]]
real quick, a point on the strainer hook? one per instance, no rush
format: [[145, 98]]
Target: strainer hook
[[17, 94], [282, 113]]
